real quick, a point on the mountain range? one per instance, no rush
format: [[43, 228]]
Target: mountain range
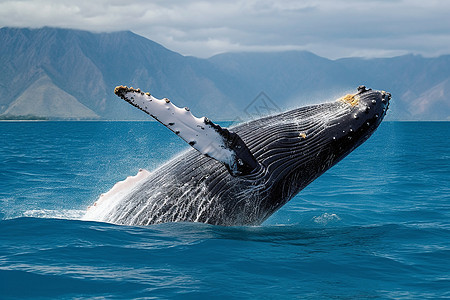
[[71, 74]]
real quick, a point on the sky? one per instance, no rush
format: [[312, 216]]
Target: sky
[[329, 28]]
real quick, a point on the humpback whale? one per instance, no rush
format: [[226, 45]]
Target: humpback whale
[[243, 174]]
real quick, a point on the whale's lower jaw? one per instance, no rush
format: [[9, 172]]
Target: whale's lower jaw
[[292, 148]]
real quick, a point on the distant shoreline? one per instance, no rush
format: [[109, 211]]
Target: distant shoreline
[[8, 117]]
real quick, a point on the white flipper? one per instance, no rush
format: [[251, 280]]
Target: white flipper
[[208, 138]]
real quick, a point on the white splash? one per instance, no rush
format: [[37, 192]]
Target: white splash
[[326, 218], [69, 214]]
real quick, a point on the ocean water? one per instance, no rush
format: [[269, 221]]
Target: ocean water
[[376, 226]]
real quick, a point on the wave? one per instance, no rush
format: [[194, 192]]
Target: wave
[[69, 214], [73, 258]]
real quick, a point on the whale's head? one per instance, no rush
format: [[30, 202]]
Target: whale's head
[[298, 146], [359, 117]]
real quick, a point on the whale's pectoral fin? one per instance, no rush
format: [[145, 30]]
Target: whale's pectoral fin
[[208, 138]]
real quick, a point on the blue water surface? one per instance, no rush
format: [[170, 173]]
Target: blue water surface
[[375, 226]]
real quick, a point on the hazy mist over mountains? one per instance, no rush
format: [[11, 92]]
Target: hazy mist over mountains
[[71, 74]]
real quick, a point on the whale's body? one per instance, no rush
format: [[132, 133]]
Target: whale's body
[[291, 149]]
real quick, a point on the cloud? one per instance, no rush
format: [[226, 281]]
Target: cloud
[[331, 28]]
